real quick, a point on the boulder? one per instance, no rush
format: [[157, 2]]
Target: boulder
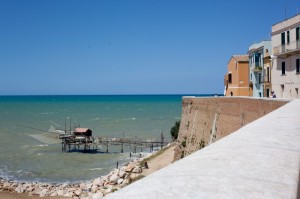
[[122, 174], [94, 189], [108, 191], [105, 178], [137, 170], [114, 178], [134, 176], [36, 191], [97, 182], [120, 181], [53, 194], [129, 168], [6, 185], [126, 181], [82, 185], [29, 189], [60, 192], [97, 195], [123, 168], [20, 189], [77, 192], [43, 193]]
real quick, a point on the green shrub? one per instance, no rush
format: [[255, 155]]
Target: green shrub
[[175, 130], [202, 144]]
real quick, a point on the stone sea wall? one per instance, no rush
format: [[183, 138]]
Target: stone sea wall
[[206, 120]]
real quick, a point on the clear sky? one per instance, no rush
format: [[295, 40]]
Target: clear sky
[[128, 46]]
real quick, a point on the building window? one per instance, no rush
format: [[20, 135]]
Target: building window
[[257, 59], [251, 76], [268, 74], [229, 78], [259, 78], [288, 37], [297, 65], [283, 38], [297, 33], [283, 68]]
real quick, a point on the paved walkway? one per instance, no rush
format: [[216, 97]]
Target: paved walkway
[[260, 160], [160, 161]]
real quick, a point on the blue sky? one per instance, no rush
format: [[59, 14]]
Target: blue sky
[[128, 46]]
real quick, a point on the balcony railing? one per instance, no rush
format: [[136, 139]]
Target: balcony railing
[[257, 69], [284, 48], [266, 79]]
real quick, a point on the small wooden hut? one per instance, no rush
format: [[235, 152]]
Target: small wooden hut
[[86, 132]]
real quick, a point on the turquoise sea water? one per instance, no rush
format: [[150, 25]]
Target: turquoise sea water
[[27, 159]]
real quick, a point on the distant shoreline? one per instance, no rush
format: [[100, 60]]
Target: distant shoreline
[[51, 95]]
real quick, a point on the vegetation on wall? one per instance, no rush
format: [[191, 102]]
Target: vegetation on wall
[[202, 144], [175, 130]]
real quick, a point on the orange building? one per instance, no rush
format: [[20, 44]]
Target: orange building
[[236, 81]]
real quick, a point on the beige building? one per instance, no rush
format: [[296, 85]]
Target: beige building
[[236, 81], [267, 86], [286, 58]]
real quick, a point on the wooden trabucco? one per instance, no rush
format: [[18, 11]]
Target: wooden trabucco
[[92, 144]]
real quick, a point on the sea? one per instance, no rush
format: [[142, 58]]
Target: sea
[[24, 120]]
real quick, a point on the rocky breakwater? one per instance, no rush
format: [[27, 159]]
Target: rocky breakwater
[[94, 189]]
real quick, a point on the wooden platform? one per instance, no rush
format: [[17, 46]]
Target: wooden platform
[[95, 144]]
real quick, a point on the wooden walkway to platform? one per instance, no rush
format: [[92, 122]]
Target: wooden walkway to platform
[[97, 144]]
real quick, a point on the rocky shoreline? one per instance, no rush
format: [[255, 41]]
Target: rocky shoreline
[[94, 189]]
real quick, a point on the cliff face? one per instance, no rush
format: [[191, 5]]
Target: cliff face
[[206, 120]]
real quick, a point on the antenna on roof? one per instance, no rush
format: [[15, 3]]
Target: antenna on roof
[[285, 11]]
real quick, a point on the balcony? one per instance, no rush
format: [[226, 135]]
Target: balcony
[[290, 48], [266, 79], [257, 69]]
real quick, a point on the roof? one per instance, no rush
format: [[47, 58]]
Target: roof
[[241, 58], [78, 130], [263, 44]]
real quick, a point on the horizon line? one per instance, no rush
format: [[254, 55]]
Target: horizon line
[[188, 94]]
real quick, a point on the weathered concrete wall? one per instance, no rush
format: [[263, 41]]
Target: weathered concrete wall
[[206, 120]]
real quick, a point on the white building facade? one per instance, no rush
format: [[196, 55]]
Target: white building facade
[[286, 58]]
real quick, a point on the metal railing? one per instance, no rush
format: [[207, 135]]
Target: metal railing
[[257, 69], [266, 79], [294, 45]]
